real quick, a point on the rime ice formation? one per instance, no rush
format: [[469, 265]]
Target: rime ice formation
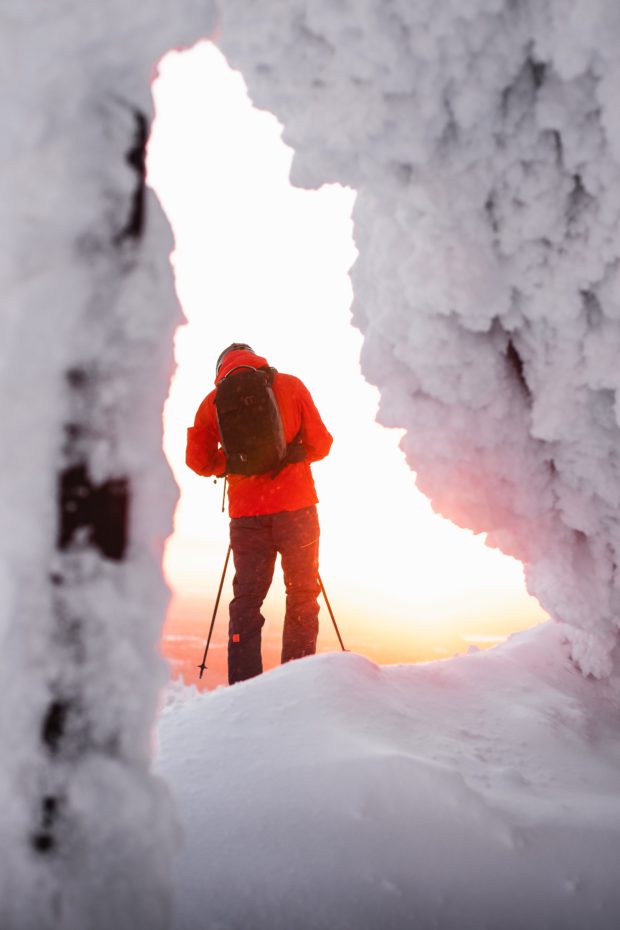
[[85, 499], [483, 139]]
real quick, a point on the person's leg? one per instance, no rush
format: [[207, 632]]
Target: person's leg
[[296, 535], [254, 555]]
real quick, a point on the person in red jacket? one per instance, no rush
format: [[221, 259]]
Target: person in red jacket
[[269, 513]]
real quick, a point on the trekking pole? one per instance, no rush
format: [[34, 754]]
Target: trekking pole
[[331, 613], [224, 495], [202, 665]]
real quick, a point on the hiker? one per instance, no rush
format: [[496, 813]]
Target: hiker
[[265, 455]]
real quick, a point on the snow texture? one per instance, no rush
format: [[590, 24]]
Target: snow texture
[[481, 791], [483, 139], [86, 499]]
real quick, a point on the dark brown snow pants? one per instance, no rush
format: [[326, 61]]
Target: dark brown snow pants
[[255, 543]]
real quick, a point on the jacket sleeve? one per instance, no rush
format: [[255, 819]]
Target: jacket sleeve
[[316, 439], [204, 454]]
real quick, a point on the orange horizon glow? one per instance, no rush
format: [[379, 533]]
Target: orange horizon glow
[[259, 261]]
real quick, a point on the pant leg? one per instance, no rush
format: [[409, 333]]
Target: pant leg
[[296, 535], [254, 555]]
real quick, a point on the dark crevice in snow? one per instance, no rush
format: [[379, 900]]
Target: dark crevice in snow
[[54, 724], [538, 71], [556, 139], [74, 432], [450, 134], [592, 309], [578, 199], [516, 365], [45, 837], [490, 208], [100, 511], [78, 377], [93, 514], [136, 159], [404, 173], [313, 39], [580, 538], [521, 91], [44, 840]]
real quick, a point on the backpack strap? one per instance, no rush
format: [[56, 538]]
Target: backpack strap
[[267, 370], [295, 452], [238, 368]]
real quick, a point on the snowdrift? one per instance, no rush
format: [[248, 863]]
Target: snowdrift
[[481, 791]]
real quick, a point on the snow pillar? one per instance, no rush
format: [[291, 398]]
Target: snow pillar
[[86, 499]]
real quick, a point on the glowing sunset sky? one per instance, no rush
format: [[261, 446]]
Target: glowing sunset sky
[[259, 261]]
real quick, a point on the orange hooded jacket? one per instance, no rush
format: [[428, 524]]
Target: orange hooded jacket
[[293, 487]]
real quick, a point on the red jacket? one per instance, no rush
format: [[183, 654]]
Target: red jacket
[[293, 487]]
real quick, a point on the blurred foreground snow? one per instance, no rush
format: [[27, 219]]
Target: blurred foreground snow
[[86, 498]]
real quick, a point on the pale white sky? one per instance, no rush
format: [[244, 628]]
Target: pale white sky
[[259, 261]]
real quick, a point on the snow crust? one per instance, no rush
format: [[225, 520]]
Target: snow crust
[[483, 140], [85, 359], [480, 791]]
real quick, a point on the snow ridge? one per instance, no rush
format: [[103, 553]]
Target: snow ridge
[[484, 143]]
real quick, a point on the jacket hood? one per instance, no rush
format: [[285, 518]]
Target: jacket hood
[[237, 358]]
